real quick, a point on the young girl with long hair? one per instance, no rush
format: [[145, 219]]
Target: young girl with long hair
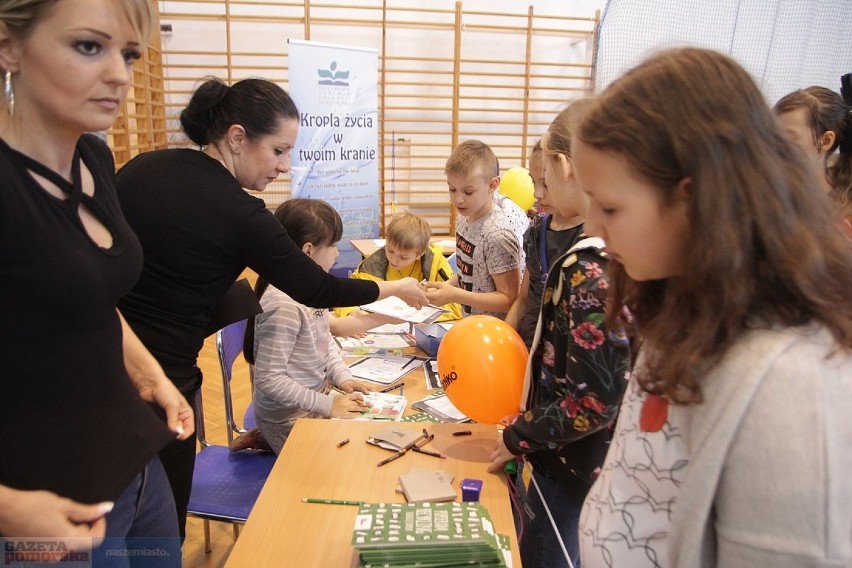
[[732, 444], [577, 373]]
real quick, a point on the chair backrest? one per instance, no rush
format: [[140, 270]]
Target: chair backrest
[[200, 431], [229, 345]]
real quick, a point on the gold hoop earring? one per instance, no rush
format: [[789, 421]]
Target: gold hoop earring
[[9, 91]]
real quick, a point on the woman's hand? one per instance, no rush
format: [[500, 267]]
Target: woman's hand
[[179, 415], [348, 406], [45, 514], [351, 385], [407, 289], [499, 457]]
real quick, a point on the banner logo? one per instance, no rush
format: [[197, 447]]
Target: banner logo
[[333, 86], [332, 76]]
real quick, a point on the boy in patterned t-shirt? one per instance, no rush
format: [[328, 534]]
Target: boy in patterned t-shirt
[[488, 253]]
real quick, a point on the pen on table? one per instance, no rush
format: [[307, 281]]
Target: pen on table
[[409, 362], [333, 501], [388, 389], [342, 443], [462, 433], [419, 447], [389, 459], [428, 452], [404, 450]]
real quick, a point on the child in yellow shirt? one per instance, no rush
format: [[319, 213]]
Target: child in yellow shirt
[[406, 253]]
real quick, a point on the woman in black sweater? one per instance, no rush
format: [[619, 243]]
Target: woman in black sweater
[[78, 441], [199, 230]]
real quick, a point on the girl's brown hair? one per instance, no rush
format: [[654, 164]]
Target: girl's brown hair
[[559, 134], [828, 111], [763, 249]]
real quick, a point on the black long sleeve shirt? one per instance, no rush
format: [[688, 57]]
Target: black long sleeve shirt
[[71, 420], [199, 230]]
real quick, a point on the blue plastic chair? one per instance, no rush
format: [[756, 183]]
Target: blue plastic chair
[[225, 484], [229, 346]]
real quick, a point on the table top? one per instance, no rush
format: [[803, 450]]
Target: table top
[[368, 246], [284, 531]]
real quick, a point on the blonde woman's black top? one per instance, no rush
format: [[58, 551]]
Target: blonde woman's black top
[[71, 421]]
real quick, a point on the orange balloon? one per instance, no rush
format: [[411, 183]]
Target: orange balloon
[[481, 361]]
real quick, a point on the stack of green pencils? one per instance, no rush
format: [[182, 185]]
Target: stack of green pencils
[[427, 535]]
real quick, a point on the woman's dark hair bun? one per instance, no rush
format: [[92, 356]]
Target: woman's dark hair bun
[[199, 118]]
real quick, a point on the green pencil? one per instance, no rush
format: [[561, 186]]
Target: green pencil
[[333, 502]]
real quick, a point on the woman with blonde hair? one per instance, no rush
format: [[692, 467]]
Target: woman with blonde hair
[[78, 437]]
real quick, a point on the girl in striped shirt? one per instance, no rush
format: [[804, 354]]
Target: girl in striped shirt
[[296, 364]]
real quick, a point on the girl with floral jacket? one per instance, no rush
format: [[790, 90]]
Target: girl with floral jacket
[[576, 376]]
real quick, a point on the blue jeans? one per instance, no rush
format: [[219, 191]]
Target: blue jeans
[[539, 546], [142, 527]]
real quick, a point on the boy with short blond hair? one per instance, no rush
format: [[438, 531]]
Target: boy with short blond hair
[[408, 231], [488, 252], [407, 252]]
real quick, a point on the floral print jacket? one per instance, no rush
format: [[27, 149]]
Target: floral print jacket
[[579, 373]]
